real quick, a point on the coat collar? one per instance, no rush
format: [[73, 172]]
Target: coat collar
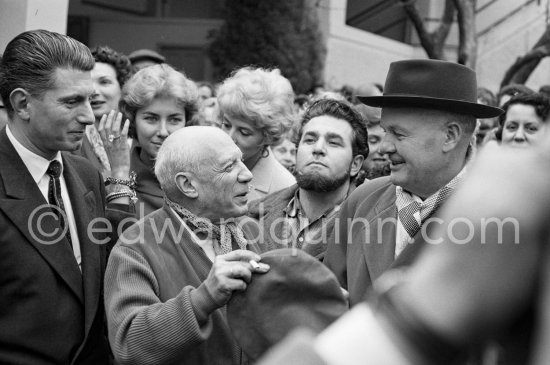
[[380, 246]]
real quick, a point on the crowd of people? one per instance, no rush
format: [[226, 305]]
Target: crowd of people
[[136, 204]]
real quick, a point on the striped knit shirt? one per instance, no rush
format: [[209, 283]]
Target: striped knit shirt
[[158, 309]]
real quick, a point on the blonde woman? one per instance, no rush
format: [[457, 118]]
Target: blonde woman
[[256, 109]]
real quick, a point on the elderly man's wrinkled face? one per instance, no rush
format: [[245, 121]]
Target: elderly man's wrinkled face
[[224, 184], [414, 140]]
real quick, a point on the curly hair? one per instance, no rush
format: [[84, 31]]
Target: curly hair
[[122, 65], [158, 81], [538, 101], [512, 90], [262, 97], [340, 110]]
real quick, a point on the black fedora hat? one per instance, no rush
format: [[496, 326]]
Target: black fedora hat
[[298, 291], [432, 84]]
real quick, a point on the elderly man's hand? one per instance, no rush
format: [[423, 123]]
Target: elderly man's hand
[[232, 272]]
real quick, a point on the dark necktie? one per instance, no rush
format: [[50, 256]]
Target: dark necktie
[[406, 216], [54, 196]]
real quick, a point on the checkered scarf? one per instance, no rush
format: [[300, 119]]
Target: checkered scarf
[[225, 234], [407, 205]]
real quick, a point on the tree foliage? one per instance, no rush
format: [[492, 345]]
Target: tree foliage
[[283, 34]]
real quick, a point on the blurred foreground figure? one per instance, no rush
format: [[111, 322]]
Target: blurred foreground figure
[[479, 282]]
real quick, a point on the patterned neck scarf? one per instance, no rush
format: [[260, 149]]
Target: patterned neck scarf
[[225, 234], [413, 212]]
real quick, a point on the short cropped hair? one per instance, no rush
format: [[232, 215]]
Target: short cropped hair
[[262, 97], [172, 158], [539, 102], [120, 62], [158, 81], [340, 110], [31, 59]]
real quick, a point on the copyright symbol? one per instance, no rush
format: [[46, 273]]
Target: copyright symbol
[[43, 224]]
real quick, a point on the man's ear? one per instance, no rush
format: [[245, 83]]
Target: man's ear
[[356, 165], [19, 99], [186, 184], [453, 135]]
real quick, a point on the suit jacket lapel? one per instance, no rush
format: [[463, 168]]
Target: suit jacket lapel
[[379, 250], [84, 203], [274, 218], [25, 205]]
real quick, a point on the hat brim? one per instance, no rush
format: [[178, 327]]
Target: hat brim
[[458, 106]]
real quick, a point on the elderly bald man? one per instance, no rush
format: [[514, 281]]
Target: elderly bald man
[[171, 274]]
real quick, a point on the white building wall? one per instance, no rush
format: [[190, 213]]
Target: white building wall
[[355, 57], [17, 16], [507, 30]]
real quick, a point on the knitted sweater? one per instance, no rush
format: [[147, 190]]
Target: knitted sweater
[[158, 311]]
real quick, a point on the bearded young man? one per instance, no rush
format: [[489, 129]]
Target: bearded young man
[[332, 144]]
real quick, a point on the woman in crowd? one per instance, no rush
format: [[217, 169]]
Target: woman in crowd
[[206, 90], [111, 71], [256, 109], [285, 150], [524, 120], [157, 100]]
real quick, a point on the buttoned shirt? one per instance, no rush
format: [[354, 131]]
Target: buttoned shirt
[[37, 166], [302, 231]]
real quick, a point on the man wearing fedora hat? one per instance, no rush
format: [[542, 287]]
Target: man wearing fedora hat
[[429, 113], [142, 58]]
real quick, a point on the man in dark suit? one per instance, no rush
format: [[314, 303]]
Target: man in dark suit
[[429, 112], [332, 144], [52, 253]]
